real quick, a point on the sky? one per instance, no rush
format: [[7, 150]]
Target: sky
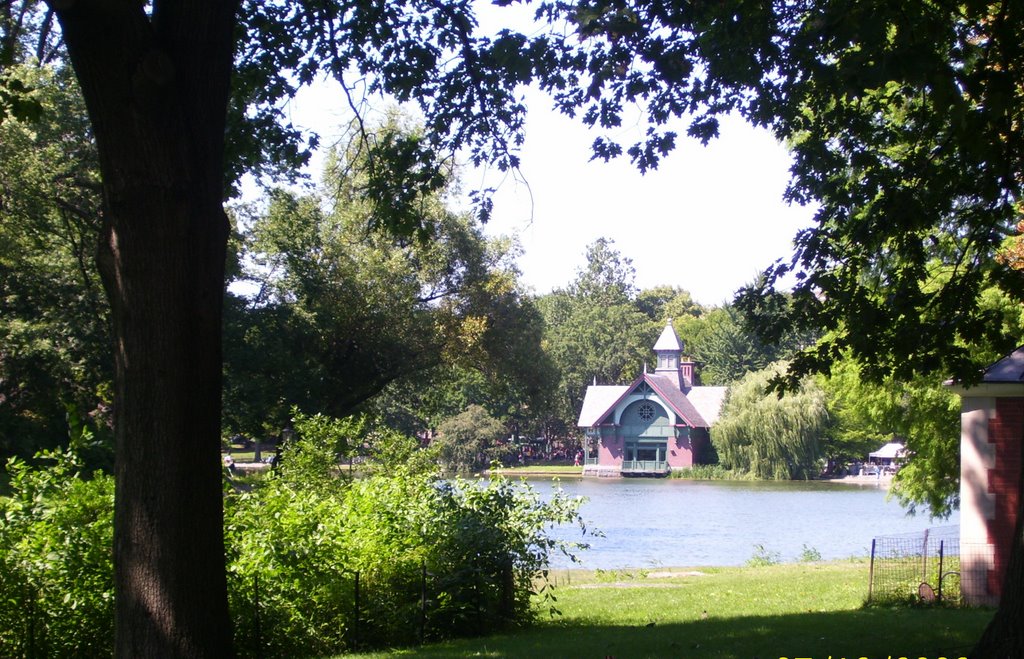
[[708, 220]]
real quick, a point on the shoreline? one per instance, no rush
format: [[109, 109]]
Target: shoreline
[[884, 481], [880, 481]]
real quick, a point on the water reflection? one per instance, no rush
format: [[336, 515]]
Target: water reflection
[[665, 522]]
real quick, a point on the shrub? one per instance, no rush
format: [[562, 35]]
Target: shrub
[[763, 557], [286, 587], [56, 571], [492, 544], [434, 558], [809, 554], [708, 472], [296, 543]]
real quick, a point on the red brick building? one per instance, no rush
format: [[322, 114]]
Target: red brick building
[[992, 428]]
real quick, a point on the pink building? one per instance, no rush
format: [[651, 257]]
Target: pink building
[[658, 423], [991, 429]]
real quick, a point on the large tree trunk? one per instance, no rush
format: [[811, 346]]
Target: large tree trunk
[[157, 88]]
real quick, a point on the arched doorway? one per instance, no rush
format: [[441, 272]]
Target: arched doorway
[[645, 431]]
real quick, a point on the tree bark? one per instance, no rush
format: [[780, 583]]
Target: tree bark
[[156, 87]]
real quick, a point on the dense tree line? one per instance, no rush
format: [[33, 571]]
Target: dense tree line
[[55, 371]]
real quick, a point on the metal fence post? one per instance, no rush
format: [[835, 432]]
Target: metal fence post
[[871, 569], [924, 557], [938, 595], [356, 629], [423, 601]]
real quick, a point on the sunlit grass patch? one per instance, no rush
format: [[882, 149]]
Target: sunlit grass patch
[[801, 609]]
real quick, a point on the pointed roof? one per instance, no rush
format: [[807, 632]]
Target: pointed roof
[[668, 340], [677, 400], [999, 379], [601, 400], [890, 450]]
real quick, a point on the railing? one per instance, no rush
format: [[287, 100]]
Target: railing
[[644, 466], [590, 460]]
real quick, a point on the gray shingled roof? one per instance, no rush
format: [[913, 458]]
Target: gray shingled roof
[[1007, 369], [669, 392], [597, 401], [708, 401], [701, 412], [668, 340]]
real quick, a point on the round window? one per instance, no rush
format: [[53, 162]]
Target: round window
[[646, 412]]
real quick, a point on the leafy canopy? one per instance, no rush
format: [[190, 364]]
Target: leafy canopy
[[770, 436], [344, 306]]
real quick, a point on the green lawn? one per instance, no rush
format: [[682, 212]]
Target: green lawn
[[540, 470], [812, 610]]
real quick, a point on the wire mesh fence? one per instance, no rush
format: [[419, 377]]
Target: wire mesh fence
[[922, 566]]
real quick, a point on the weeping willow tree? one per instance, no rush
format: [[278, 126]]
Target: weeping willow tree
[[768, 436]]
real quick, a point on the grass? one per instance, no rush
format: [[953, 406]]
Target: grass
[[795, 610], [249, 456], [541, 470]]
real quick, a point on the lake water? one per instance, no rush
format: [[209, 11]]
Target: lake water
[[671, 522]]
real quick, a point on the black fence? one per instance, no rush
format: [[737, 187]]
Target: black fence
[[921, 567], [404, 610]]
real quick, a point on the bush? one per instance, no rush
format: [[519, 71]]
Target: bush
[[762, 557], [708, 473], [434, 558], [473, 551], [286, 588], [56, 572]]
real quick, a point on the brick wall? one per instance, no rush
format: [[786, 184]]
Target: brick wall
[[1005, 432]]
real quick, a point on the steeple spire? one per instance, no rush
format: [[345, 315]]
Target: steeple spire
[[669, 349]]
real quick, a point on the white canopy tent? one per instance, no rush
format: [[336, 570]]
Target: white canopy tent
[[888, 453]]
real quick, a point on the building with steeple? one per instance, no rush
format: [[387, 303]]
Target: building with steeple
[[659, 422]]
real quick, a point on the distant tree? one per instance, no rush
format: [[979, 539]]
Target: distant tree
[[55, 368], [607, 277], [345, 307], [720, 340], [470, 440], [663, 302], [418, 403], [769, 436], [922, 414], [594, 328]]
